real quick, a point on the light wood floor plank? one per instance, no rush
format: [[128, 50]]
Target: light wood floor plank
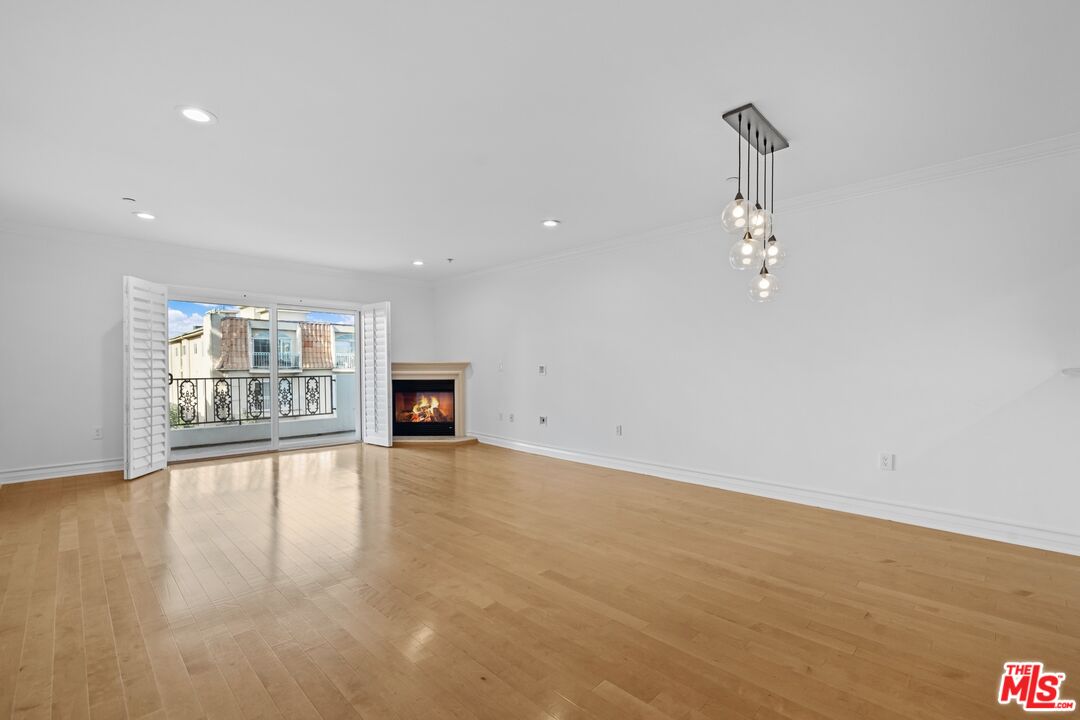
[[481, 584]]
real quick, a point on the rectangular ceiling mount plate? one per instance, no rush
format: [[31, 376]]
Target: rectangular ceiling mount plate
[[758, 123]]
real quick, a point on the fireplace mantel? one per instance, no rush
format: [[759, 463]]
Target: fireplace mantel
[[438, 371]]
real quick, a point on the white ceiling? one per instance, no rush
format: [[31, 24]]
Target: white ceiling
[[368, 134]]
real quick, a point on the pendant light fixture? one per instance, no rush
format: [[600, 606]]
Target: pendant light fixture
[[759, 216], [764, 287], [742, 255], [734, 215], [774, 251], [757, 246]]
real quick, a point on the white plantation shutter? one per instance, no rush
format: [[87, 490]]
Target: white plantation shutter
[[375, 378], [146, 377]]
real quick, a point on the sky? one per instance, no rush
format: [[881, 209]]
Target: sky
[[183, 316], [330, 318]]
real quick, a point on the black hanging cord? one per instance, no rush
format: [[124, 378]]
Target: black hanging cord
[[757, 141], [757, 168], [772, 200], [764, 237], [738, 141], [766, 183], [748, 172]]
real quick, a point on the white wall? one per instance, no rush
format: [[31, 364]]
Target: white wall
[[930, 321], [933, 323], [61, 300]]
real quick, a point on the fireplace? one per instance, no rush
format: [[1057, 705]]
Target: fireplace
[[423, 407]]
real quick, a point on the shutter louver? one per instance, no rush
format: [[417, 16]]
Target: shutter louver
[[375, 373], [146, 377]]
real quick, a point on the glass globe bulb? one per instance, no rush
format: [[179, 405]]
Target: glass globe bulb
[[735, 215], [743, 252], [772, 253], [761, 222], [764, 287], [759, 216]]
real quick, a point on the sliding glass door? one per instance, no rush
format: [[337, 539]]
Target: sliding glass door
[[317, 391], [260, 376], [219, 378]]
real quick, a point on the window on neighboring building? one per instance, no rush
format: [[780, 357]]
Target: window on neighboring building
[[260, 348], [288, 357], [344, 350]]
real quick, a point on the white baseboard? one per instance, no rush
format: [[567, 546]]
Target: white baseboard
[[44, 472], [988, 528]]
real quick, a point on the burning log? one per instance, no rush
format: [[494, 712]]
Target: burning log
[[425, 409]]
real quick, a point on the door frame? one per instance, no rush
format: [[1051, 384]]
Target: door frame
[[217, 296]]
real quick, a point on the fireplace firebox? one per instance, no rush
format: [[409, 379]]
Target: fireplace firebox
[[423, 407]]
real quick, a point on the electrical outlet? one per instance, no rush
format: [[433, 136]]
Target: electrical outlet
[[542, 369], [886, 461], [618, 430], [543, 419], [511, 417], [95, 433]]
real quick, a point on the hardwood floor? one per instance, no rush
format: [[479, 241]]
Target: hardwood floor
[[483, 583]]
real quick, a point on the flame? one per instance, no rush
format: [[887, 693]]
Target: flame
[[425, 409], [425, 405]]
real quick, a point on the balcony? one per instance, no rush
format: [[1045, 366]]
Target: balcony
[[344, 361], [242, 400], [286, 361]]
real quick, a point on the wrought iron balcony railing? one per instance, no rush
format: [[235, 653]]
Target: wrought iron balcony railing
[[286, 361], [344, 361], [239, 400]]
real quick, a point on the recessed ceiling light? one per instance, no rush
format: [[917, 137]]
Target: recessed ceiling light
[[197, 115], [417, 263], [143, 215], [552, 223]]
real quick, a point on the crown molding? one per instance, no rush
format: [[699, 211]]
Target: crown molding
[[974, 164], [971, 165], [47, 233]]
